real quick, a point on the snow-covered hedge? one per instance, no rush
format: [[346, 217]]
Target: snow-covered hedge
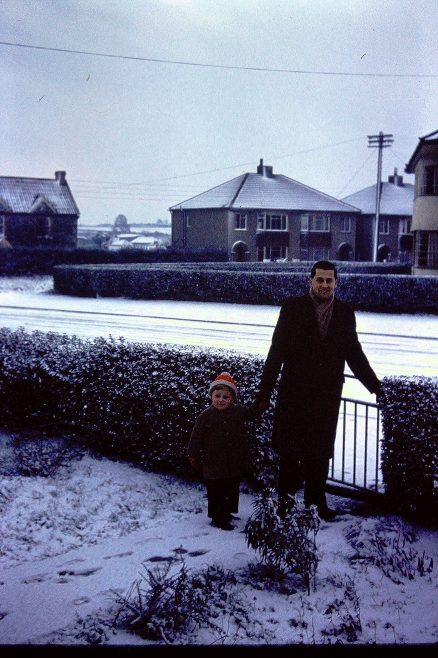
[[410, 446], [135, 401], [289, 266], [392, 293], [140, 401]]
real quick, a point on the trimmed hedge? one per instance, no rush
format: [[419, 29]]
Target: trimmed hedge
[[290, 266], [139, 402], [26, 260], [393, 293], [410, 448], [134, 401]]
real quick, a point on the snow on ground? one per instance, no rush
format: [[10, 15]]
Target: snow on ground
[[38, 283], [75, 540]]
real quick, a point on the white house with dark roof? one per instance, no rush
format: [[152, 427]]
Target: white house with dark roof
[[266, 216], [37, 212], [424, 164], [395, 239]]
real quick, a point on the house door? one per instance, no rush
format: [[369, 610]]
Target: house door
[[240, 252]]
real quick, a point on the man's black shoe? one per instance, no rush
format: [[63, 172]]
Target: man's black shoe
[[326, 513], [223, 525]]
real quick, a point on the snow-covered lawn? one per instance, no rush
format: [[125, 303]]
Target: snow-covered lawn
[[74, 541]]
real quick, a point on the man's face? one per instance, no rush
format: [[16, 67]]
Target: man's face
[[323, 284]]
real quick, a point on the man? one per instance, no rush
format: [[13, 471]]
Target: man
[[315, 335]]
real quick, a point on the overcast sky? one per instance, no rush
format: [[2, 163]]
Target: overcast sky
[[136, 136]]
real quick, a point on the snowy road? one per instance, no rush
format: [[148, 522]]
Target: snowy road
[[394, 344]]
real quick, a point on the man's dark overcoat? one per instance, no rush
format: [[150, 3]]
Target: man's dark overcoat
[[312, 375]]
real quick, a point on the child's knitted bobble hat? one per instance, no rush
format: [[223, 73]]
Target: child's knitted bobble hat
[[224, 379]]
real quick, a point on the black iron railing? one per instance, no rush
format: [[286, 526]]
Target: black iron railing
[[356, 463]]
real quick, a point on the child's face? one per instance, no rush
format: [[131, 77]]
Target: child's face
[[222, 398]]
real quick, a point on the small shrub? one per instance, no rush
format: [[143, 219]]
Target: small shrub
[[389, 547], [41, 457], [344, 615], [286, 542], [172, 606]]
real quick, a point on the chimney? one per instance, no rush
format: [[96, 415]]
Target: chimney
[[264, 170], [396, 179], [60, 177]]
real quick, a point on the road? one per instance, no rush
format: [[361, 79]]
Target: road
[[393, 347]]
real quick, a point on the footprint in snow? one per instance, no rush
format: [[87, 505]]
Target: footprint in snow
[[78, 559], [125, 554], [79, 572], [36, 578], [160, 558]]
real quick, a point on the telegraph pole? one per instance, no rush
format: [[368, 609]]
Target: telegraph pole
[[379, 141]]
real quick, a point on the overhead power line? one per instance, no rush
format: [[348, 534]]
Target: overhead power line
[[219, 66], [211, 171]]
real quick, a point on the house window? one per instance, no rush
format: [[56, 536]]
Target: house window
[[268, 222], [426, 249], [429, 180], [240, 222], [404, 225], [315, 222], [384, 226], [271, 253], [187, 219], [345, 224], [305, 223], [43, 227]]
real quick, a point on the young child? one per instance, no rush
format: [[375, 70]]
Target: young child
[[219, 444]]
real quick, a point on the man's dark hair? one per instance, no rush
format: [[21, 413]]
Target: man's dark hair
[[323, 265]]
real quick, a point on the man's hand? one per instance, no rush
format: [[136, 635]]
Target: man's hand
[[379, 392], [261, 402]]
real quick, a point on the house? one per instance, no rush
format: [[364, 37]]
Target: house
[[424, 164], [122, 241], [395, 240], [38, 212], [266, 216], [145, 242]]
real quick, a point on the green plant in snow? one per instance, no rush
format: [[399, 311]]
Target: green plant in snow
[[285, 541], [171, 606]]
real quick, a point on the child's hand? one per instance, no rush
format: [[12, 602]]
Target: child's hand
[[195, 463]]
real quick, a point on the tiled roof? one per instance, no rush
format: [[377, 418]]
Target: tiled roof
[[218, 197], [18, 195], [257, 191], [394, 199]]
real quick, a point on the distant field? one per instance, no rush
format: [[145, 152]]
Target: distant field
[[135, 228]]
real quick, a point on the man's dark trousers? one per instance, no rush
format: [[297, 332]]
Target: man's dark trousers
[[313, 471]]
